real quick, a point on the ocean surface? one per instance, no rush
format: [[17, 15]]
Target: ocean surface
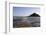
[[26, 22]]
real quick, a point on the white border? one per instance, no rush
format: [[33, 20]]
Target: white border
[[10, 14]]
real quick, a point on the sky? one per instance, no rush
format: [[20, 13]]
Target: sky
[[25, 11]]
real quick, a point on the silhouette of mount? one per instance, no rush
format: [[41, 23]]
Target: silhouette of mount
[[34, 15]]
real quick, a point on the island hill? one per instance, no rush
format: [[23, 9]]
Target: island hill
[[31, 15], [34, 15]]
